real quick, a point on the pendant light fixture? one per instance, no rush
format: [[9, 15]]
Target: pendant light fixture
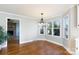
[[42, 20]]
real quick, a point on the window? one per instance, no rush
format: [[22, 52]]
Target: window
[[49, 28], [56, 27], [42, 30], [66, 26]]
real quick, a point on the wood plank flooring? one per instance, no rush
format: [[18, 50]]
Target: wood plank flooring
[[38, 47]]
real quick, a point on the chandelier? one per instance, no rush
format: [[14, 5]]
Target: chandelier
[[41, 20]]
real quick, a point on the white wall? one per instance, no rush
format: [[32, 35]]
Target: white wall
[[28, 26], [74, 31]]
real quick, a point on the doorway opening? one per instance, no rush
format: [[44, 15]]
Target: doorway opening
[[13, 31]]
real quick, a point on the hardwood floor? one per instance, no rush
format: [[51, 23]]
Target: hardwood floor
[[38, 47]]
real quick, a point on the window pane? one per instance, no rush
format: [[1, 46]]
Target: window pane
[[50, 31], [49, 28], [42, 30], [56, 27], [57, 32]]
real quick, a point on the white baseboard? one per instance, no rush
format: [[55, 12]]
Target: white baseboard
[[30, 41], [22, 42], [54, 42], [71, 52], [60, 45], [4, 46]]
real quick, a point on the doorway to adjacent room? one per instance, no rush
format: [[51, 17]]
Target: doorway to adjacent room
[[13, 31]]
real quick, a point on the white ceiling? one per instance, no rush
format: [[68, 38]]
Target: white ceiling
[[34, 10]]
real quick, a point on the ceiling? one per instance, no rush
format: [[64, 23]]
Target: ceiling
[[34, 10]]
